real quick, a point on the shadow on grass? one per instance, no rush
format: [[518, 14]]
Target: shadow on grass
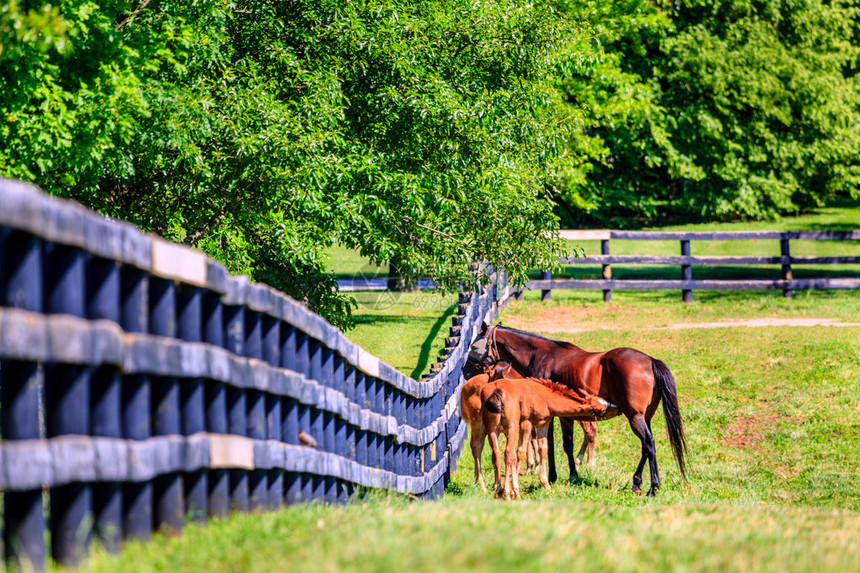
[[429, 342], [584, 481]]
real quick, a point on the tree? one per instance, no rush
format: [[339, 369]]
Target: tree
[[727, 109], [265, 131]]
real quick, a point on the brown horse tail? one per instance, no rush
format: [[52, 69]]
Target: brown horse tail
[[495, 402], [666, 385]]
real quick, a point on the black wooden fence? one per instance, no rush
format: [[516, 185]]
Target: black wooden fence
[[788, 283], [141, 385]]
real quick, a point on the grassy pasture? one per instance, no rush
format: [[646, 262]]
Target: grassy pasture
[[771, 415], [407, 330]]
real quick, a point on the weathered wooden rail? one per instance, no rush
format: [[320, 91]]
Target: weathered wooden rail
[[788, 283], [142, 385]]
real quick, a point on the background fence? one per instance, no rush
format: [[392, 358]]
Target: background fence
[[687, 284], [142, 385]]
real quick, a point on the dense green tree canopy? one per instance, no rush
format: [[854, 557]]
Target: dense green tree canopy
[[715, 109], [265, 131], [429, 132]]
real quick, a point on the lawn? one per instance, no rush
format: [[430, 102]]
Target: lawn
[[406, 330], [770, 415]]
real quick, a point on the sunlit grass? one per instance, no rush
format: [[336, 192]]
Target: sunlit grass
[[771, 421], [406, 330]]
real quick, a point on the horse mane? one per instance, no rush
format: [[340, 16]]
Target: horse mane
[[539, 337], [559, 389]]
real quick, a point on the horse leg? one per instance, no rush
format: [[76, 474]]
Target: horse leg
[[567, 444], [643, 431], [491, 427], [530, 454], [511, 473], [497, 462], [524, 443], [652, 464], [588, 440], [476, 442], [542, 447], [550, 445]]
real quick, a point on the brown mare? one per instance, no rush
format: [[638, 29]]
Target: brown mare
[[515, 407], [628, 378]]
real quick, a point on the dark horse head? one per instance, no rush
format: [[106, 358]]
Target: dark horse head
[[481, 356]]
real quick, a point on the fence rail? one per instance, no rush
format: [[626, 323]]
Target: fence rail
[[787, 283], [141, 385]]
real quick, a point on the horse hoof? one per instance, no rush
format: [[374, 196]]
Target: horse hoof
[[637, 490], [652, 492]]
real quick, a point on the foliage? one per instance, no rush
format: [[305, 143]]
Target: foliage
[[716, 110], [264, 132]]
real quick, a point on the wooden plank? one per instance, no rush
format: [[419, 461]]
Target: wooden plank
[[853, 235], [705, 261], [585, 234], [825, 260], [696, 235], [666, 284], [670, 260]]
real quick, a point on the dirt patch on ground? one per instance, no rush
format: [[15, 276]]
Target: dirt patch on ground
[[747, 432]]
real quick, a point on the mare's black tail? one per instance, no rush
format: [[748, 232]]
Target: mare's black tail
[[666, 386]]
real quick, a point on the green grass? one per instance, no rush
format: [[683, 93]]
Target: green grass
[[346, 264], [406, 330], [464, 534], [577, 309], [771, 416]]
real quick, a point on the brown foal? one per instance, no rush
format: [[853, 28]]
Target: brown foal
[[514, 407]]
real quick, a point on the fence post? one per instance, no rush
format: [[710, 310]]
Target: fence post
[[237, 405], [546, 294], [215, 396], [256, 403], [136, 400], [24, 528], [274, 410], [340, 426], [169, 490], [67, 405], [787, 291], [192, 399], [327, 438], [103, 302], [686, 271], [290, 429], [607, 270]]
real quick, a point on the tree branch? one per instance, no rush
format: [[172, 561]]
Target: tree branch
[[437, 231], [131, 16]]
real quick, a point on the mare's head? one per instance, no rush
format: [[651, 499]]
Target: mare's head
[[481, 353]]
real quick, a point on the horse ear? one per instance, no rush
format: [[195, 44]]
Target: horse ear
[[484, 328]]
